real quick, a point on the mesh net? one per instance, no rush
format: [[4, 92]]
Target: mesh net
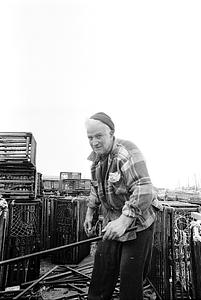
[[24, 221]]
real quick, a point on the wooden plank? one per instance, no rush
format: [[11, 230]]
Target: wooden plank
[[18, 181], [15, 134], [11, 141], [14, 145]]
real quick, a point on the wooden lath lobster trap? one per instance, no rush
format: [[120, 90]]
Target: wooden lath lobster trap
[[18, 177], [196, 253], [171, 268], [17, 147], [17, 180], [22, 237], [68, 214]]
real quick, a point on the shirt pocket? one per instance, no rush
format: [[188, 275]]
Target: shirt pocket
[[118, 186], [117, 195]]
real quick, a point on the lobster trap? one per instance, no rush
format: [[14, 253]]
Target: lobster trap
[[171, 268], [39, 185], [75, 187], [50, 186], [22, 237], [70, 175], [68, 214], [17, 180], [17, 147], [196, 255]]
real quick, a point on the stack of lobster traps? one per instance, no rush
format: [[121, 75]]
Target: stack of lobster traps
[[17, 165], [171, 272], [71, 184], [18, 186]]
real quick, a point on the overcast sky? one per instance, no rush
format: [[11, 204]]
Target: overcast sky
[[138, 61]]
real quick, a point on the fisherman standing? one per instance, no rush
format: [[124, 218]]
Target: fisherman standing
[[122, 186]]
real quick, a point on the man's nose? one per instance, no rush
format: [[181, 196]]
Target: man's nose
[[95, 142]]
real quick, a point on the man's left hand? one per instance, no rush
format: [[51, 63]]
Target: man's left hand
[[116, 228]]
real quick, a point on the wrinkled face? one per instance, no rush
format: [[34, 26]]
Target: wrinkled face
[[100, 136]]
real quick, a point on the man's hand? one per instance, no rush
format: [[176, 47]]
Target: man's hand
[[88, 221], [116, 228]]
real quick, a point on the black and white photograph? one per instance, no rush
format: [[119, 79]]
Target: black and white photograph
[[100, 150]]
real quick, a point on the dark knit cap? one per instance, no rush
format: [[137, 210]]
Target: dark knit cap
[[102, 117]]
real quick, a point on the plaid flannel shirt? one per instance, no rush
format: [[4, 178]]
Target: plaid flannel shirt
[[126, 188]]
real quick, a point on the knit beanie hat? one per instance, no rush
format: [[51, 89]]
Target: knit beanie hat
[[102, 117]]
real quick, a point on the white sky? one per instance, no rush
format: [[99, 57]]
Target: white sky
[[138, 61]]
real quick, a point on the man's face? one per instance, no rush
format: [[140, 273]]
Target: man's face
[[100, 137]]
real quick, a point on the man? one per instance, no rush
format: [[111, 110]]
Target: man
[[122, 186]]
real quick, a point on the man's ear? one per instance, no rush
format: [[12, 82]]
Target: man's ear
[[112, 132]]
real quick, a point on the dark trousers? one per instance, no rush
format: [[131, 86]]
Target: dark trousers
[[131, 260]]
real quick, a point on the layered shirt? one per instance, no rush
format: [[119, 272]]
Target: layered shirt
[[121, 185]]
